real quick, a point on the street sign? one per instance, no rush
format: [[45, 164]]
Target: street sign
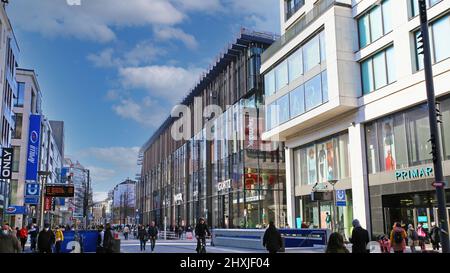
[[341, 200], [32, 189], [59, 191], [438, 184], [32, 200]]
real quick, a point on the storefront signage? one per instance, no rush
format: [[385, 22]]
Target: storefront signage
[[48, 203], [16, 210], [33, 148], [224, 185], [414, 173], [341, 200], [178, 197], [7, 160]]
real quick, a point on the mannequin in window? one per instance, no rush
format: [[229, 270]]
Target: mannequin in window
[[390, 162]]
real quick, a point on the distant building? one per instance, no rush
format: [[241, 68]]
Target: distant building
[[123, 203]]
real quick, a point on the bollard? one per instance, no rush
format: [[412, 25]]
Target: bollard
[[116, 246]]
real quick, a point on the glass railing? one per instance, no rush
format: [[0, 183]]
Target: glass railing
[[320, 8]]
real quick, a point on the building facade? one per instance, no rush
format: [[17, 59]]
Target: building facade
[[345, 90], [124, 203], [220, 169], [9, 53]]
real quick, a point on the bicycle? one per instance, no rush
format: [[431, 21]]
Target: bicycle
[[202, 245]]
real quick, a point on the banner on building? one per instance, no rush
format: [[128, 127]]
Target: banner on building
[[59, 191], [33, 148], [48, 203], [7, 161]]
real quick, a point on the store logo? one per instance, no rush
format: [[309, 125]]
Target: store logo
[[34, 137], [7, 160], [224, 185], [178, 197], [414, 173]]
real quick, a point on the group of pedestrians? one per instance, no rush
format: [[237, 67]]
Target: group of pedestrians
[[44, 241], [144, 234], [400, 238]]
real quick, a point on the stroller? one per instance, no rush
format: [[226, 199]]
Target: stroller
[[385, 243]]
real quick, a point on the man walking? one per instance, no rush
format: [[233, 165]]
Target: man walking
[[143, 236], [272, 240], [126, 231], [435, 236], [152, 234], [8, 242], [46, 239], [360, 238], [33, 237], [200, 233]]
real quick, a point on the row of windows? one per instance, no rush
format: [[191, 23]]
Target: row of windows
[[439, 41], [375, 23], [300, 100], [378, 70], [301, 61], [402, 140], [415, 5]]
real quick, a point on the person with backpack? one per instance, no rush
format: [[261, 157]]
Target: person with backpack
[[23, 236], [398, 238], [435, 236], [413, 238]]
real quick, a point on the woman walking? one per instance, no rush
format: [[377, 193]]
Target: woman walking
[[143, 236]]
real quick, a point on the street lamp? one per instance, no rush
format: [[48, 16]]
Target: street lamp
[[333, 182], [43, 175]]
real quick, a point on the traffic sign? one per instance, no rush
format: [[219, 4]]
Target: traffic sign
[[341, 200], [438, 184]]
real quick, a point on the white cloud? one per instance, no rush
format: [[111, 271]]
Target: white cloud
[[100, 196], [92, 20], [148, 112], [169, 33], [102, 175], [119, 158], [169, 82], [104, 58], [199, 5]]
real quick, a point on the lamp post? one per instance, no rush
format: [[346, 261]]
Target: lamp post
[[43, 175], [333, 182]]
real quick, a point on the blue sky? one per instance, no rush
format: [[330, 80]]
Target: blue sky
[[112, 70]]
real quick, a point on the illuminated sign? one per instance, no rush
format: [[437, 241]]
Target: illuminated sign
[[59, 191], [414, 173], [224, 185]]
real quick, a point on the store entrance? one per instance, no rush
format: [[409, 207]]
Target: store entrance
[[410, 208]]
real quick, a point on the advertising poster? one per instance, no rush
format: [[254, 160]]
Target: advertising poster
[[388, 144], [311, 161]]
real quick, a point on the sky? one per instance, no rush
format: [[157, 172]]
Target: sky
[[112, 70]]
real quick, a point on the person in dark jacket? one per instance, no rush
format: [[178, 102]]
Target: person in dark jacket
[[46, 239], [8, 242], [152, 235], [142, 236], [360, 238], [100, 236], [272, 240], [108, 238], [33, 237], [201, 230], [435, 235]]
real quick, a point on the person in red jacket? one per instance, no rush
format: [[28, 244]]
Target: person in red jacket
[[23, 235]]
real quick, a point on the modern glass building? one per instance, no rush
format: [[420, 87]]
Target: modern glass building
[[221, 170], [345, 91]]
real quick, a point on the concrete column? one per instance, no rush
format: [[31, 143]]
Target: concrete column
[[360, 189], [290, 189]]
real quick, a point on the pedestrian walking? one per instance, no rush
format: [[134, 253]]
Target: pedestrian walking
[[100, 236], [201, 230], [422, 236], [143, 237], [59, 236], [413, 238], [126, 231], [398, 237], [272, 240], [152, 235], [23, 236], [360, 238], [33, 232], [108, 238], [46, 240], [336, 244], [8, 242], [435, 236]]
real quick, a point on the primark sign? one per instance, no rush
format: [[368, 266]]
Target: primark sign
[[415, 173]]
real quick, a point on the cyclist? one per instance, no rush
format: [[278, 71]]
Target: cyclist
[[200, 233]]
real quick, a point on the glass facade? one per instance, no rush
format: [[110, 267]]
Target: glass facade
[[18, 102], [305, 58], [400, 141], [378, 70], [375, 23]]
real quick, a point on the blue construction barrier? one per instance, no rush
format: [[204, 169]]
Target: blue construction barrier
[[84, 241], [305, 237]]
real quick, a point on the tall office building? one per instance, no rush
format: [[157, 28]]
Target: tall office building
[[345, 90]]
